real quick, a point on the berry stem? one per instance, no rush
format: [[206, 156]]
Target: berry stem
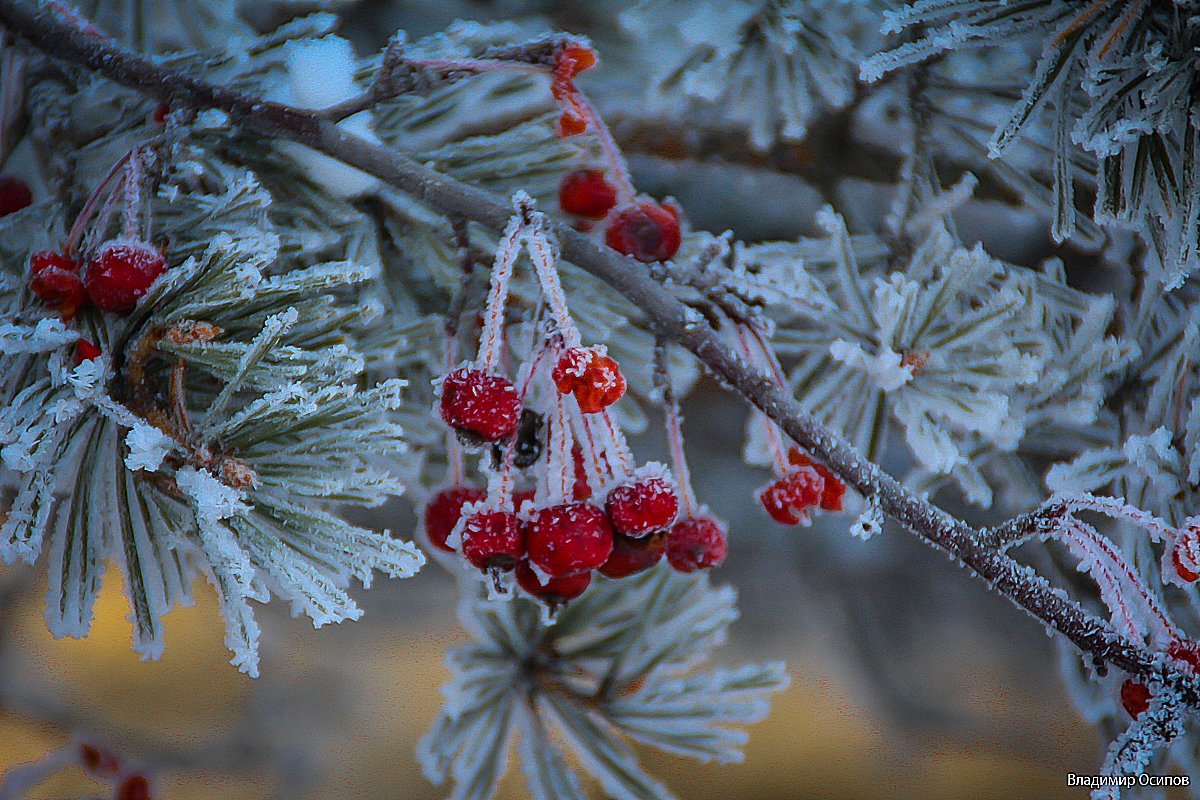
[[493, 315], [774, 437], [455, 468], [674, 427], [132, 186], [545, 258], [89, 208], [618, 168]]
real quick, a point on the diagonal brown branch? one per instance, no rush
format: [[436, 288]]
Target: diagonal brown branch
[[670, 319]]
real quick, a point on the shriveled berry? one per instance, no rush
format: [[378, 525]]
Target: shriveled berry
[[493, 540], [642, 507], [444, 511], [630, 556], [529, 439], [15, 195], [134, 787], [54, 279], [788, 499], [568, 538], [85, 351], [574, 58], [696, 543], [647, 231], [482, 407], [587, 193], [1186, 651], [121, 273], [594, 378], [1185, 556], [555, 591], [1135, 697], [834, 490]]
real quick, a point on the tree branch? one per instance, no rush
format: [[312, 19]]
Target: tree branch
[[669, 317]]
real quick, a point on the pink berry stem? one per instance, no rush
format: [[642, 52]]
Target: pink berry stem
[[679, 465], [493, 322], [619, 443], [545, 259], [455, 467], [618, 168], [774, 439], [12, 93], [89, 208], [601, 468], [132, 186], [560, 467]]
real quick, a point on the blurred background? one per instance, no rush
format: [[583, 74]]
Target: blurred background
[[909, 679]]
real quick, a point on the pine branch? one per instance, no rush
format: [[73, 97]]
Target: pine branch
[[670, 318]]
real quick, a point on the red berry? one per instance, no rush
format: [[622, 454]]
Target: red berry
[[643, 507], [160, 114], [788, 499], [1186, 651], [97, 762], [54, 278], [646, 231], [556, 590], [444, 511], [834, 491], [567, 539], [480, 406], [1135, 697], [572, 59], [15, 194], [493, 540], [594, 378], [121, 273], [135, 787], [85, 351], [587, 193], [696, 543], [630, 556]]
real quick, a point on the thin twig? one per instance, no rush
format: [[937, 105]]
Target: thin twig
[[669, 317]]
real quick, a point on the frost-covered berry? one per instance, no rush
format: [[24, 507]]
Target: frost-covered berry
[[587, 193], [86, 351], [121, 273], [15, 195], [444, 511], [1185, 556], [593, 377], [555, 591], [54, 279], [480, 406], [493, 540], [788, 499], [696, 543], [642, 507], [647, 231], [1186, 651], [1135, 697], [834, 490], [631, 556], [569, 538]]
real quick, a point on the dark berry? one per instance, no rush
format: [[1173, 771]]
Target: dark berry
[[121, 273], [1186, 651], [569, 538], [529, 439], [630, 556], [1183, 556], [587, 193], [555, 591], [1135, 697], [696, 543], [444, 511], [15, 194], [643, 507], [134, 787], [493, 540], [646, 231], [480, 406], [85, 351], [54, 279], [594, 379], [97, 762]]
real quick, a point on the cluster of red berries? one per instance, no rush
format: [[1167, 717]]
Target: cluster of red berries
[[114, 279], [119, 271], [592, 510], [103, 765], [806, 485], [1136, 696], [646, 230]]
